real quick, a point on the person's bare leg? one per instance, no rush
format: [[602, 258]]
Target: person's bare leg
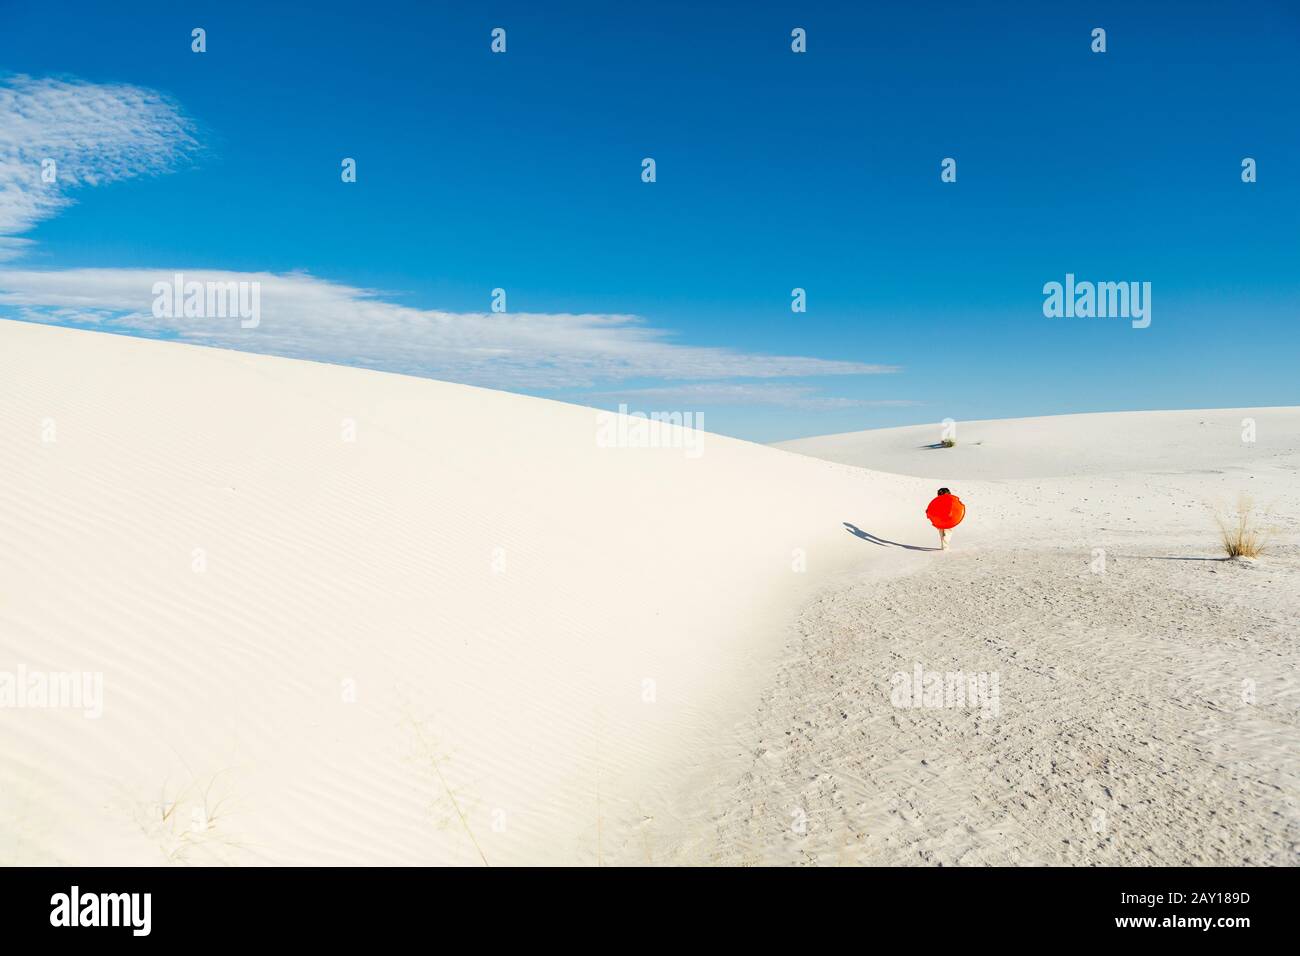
[[943, 539]]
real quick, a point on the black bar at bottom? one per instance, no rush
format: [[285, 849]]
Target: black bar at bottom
[[205, 906]]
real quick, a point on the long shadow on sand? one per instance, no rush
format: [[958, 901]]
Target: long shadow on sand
[[1162, 557], [868, 536]]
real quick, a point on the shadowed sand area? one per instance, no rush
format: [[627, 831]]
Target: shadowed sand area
[[1121, 731]]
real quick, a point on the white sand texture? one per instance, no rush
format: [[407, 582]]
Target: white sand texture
[[264, 611]]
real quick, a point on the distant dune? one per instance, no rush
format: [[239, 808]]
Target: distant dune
[[1062, 445]]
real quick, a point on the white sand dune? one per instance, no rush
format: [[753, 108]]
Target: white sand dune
[[472, 634], [499, 589]]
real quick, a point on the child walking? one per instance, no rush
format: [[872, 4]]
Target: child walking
[[945, 513]]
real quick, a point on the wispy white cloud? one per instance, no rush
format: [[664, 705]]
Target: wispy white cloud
[[745, 393], [99, 134], [94, 133], [306, 317]]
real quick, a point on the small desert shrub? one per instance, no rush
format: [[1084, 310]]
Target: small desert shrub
[[1241, 534], [948, 442]]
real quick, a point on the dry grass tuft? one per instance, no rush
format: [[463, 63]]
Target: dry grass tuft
[[1241, 534]]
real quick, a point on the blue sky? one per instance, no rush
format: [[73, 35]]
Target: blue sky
[[775, 170]]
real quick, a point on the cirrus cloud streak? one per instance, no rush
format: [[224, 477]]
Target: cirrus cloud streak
[[303, 316]]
